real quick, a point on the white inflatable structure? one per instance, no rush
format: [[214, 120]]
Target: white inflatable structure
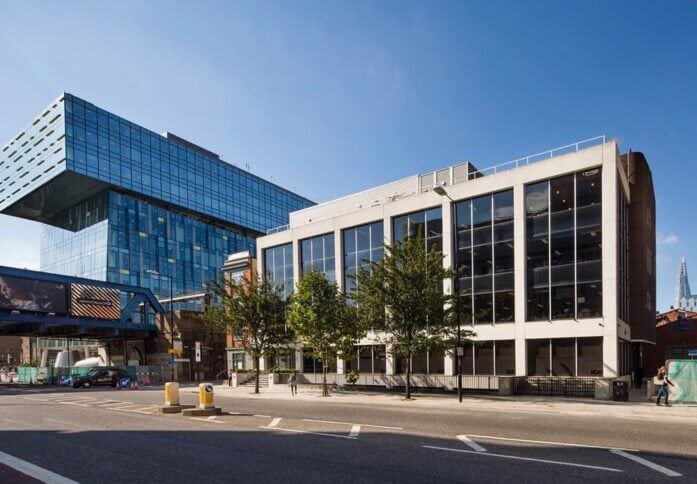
[[87, 362]]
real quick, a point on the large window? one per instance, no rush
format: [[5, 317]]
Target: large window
[[484, 241], [318, 254], [489, 358], [426, 223], [362, 245], [278, 266], [565, 357], [563, 251]]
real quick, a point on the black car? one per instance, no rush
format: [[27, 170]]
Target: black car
[[100, 377]]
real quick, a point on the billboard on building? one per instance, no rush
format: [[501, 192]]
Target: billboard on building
[[95, 302], [30, 295]]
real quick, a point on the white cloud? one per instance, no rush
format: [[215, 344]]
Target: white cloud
[[667, 239]]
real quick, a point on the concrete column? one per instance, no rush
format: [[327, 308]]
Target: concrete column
[[519, 277], [389, 361], [340, 366], [449, 365], [339, 259], [44, 358], [610, 267], [299, 359]]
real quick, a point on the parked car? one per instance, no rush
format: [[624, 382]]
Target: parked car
[[101, 377]]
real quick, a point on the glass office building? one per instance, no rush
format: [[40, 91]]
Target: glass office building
[[124, 204]]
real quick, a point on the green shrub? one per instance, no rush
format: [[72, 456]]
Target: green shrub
[[282, 370]]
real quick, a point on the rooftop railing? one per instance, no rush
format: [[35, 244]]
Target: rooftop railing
[[422, 183]]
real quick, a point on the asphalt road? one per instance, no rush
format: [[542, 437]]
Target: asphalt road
[[118, 436]]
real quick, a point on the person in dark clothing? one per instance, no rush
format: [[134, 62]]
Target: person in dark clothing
[[663, 380], [638, 376]]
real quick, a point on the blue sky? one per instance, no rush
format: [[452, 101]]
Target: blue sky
[[329, 98]]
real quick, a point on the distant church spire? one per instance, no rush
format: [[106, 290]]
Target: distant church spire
[[682, 286]]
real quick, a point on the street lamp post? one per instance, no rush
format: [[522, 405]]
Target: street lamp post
[[171, 312], [459, 350]]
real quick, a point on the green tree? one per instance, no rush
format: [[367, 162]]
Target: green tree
[[402, 295], [254, 312], [323, 321]]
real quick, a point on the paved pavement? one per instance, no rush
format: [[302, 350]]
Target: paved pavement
[[117, 436]]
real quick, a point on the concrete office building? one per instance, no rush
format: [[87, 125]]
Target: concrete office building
[[123, 204], [543, 243]]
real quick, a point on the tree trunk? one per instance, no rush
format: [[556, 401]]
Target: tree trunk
[[325, 391], [256, 370]]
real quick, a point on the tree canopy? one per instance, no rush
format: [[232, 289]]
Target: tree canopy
[[254, 312], [323, 321]]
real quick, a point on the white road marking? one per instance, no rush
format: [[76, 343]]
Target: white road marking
[[543, 461], [34, 471], [308, 432], [113, 404], [642, 461], [264, 416], [207, 419], [563, 444], [470, 443], [212, 417], [274, 422], [349, 423], [354, 431]]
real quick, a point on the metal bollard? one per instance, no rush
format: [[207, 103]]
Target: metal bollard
[[205, 396], [171, 394]]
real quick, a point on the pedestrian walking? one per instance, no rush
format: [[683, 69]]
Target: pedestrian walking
[[229, 377], [639, 376], [663, 382], [293, 383]]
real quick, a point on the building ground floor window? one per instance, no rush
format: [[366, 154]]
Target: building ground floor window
[[489, 358], [312, 365], [367, 359], [565, 357], [427, 363]]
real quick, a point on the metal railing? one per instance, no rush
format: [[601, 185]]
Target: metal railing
[[277, 229], [554, 386], [545, 155], [418, 380]]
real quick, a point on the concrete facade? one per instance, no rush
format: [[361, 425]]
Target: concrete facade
[[417, 193]]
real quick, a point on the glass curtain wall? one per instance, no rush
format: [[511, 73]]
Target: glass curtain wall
[[563, 234], [484, 241], [278, 266], [317, 253], [362, 245]]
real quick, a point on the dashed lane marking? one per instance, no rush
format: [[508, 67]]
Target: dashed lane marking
[[470, 443], [263, 416], [647, 463], [529, 459], [562, 444], [354, 431], [280, 429], [349, 423], [274, 422]]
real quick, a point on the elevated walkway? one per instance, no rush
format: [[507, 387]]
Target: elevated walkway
[[34, 303]]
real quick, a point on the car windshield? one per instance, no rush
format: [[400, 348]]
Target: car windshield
[[93, 372]]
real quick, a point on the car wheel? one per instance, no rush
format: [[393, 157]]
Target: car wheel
[[75, 385], [86, 384]]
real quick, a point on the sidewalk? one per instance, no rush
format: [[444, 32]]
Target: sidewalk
[[641, 410]]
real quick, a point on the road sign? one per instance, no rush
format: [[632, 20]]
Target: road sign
[[692, 352], [181, 360], [198, 352]]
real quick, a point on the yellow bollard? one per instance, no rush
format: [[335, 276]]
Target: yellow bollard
[[171, 394], [205, 396]]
